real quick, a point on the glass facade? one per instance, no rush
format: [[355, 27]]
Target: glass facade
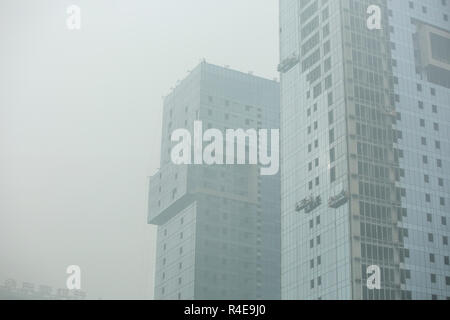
[[422, 126], [350, 185], [218, 225]]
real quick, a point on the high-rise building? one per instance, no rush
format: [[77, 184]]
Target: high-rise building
[[365, 152], [218, 225]]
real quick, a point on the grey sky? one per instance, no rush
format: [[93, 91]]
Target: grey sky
[[80, 121]]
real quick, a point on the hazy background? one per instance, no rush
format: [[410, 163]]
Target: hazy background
[[80, 121]]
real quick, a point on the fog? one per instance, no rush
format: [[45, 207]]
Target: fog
[[80, 122]]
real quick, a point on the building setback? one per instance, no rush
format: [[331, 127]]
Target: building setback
[[218, 225], [365, 150]]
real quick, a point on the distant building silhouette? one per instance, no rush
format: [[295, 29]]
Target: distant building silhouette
[[28, 291]]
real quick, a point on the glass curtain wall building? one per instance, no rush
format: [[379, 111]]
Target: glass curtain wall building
[[364, 149], [218, 225]]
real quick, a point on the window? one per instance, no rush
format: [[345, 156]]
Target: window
[[333, 174], [332, 155], [330, 98], [327, 65], [328, 82], [330, 117], [331, 135], [432, 258], [424, 141], [326, 47], [420, 104], [326, 30], [433, 278], [436, 126], [317, 90]]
